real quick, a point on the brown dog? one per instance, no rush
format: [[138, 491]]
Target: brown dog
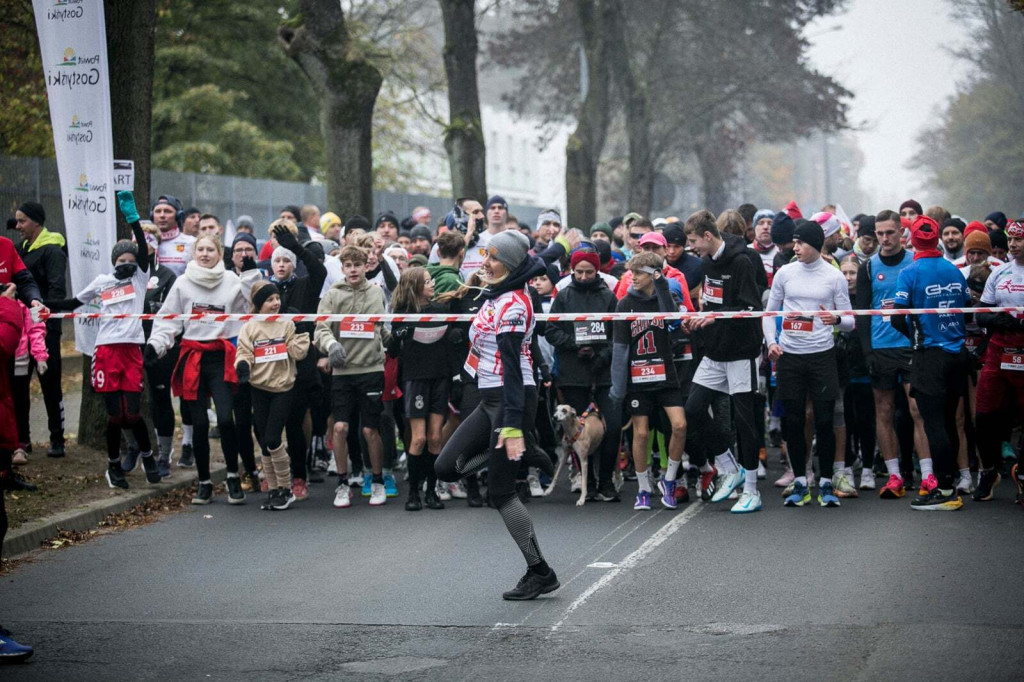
[[580, 436]]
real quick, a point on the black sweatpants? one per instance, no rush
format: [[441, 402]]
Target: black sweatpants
[[938, 393], [860, 422], [711, 437]]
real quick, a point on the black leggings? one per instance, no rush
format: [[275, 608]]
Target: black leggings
[[242, 407], [270, 412], [939, 416], [860, 423], [474, 446], [579, 398], [212, 385], [161, 407], [123, 412], [711, 437], [796, 441]]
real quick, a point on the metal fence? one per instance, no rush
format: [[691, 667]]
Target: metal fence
[[226, 196]]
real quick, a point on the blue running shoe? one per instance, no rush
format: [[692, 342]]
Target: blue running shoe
[[799, 497], [130, 461], [163, 466], [668, 493], [11, 651], [390, 487], [643, 500], [367, 484], [827, 495]]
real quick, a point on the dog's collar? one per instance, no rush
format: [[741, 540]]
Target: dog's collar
[[591, 409]]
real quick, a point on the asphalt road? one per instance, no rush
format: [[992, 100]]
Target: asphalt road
[[872, 590]]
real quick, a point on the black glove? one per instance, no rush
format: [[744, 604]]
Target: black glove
[[150, 358], [286, 239], [585, 353], [400, 332], [1008, 322], [545, 373], [242, 370], [248, 263], [456, 336], [394, 348]]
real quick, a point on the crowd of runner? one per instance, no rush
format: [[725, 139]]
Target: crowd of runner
[[925, 403]]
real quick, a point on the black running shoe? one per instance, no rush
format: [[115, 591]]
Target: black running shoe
[[430, 498], [15, 482], [235, 494], [936, 500], [532, 585], [473, 498], [282, 499], [204, 494], [115, 476], [606, 492], [56, 449], [268, 503], [188, 457], [987, 482], [149, 466], [413, 503]]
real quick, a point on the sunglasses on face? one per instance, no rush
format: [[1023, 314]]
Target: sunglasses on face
[[636, 235]]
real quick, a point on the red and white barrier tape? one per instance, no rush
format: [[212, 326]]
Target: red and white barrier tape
[[543, 317]]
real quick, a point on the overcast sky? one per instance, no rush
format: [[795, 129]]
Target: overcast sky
[[897, 85]]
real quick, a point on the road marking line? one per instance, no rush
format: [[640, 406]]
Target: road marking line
[[631, 561]]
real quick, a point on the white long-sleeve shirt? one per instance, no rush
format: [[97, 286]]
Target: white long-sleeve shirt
[[801, 286]]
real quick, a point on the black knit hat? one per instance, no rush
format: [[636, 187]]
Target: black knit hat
[[120, 248], [34, 211], [810, 233], [260, 296], [782, 228]]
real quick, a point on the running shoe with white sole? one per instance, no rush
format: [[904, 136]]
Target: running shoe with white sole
[[643, 501], [442, 492], [342, 496], [748, 503], [800, 496], [282, 499], [706, 484], [115, 476], [965, 486], [987, 482], [367, 483], [390, 487], [726, 484], [10, 650], [458, 490], [535, 489], [867, 479], [668, 493], [762, 472], [378, 495], [936, 500]]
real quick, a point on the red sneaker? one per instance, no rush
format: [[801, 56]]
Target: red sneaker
[[893, 488], [300, 489]]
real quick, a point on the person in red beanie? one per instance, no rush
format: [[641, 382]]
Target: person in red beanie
[[584, 354], [974, 226], [938, 378], [793, 211]]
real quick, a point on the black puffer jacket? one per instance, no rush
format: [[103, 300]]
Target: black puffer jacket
[[569, 337]]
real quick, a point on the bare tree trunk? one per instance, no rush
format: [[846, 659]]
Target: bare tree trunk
[[641, 156], [130, 25], [583, 150], [718, 150], [347, 86], [464, 137]]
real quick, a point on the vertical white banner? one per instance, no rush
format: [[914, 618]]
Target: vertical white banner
[[73, 46]]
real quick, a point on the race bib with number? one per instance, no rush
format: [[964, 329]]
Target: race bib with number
[[647, 371], [714, 290], [428, 334], [798, 325], [588, 332], [355, 330], [888, 304], [1012, 359], [269, 350], [117, 293], [207, 309], [472, 362]]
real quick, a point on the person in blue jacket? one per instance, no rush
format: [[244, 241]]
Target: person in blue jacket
[[938, 368]]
